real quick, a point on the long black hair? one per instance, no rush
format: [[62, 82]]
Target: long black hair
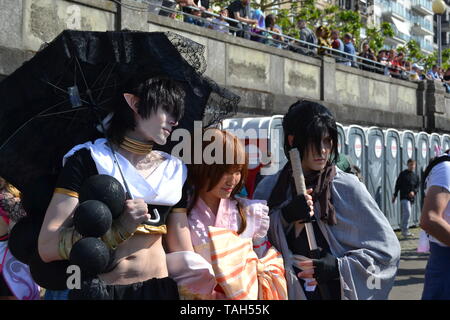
[[153, 93], [270, 21], [308, 122]]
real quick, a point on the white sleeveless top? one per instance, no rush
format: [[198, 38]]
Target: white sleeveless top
[[440, 176], [162, 187]]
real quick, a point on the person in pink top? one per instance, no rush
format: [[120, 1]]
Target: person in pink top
[[230, 257], [16, 282]]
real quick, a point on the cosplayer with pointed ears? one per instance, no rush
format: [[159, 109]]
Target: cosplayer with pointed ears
[[138, 268]]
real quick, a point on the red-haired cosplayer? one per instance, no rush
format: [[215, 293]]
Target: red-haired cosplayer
[[228, 255]]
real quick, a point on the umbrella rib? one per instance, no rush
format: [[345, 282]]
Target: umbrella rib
[[101, 73], [61, 112], [39, 115], [107, 78], [106, 87], [88, 90], [15, 132], [104, 102], [62, 90], [99, 76]]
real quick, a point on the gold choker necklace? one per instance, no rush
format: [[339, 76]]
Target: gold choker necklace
[[135, 146]]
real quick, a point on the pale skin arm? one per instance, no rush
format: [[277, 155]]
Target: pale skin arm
[[186, 3], [278, 31], [432, 219], [178, 236], [249, 21], [60, 209]]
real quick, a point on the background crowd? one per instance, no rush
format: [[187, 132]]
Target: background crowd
[[254, 25]]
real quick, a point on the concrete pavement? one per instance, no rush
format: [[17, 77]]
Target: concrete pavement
[[410, 276]]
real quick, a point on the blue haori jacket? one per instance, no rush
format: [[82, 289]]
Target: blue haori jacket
[[366, 247]]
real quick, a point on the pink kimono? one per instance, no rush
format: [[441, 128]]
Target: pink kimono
[[16, 274], [226, 265]]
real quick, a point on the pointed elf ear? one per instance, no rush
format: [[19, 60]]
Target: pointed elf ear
[[132, 101]]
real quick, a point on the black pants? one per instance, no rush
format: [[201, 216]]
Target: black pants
[[152, 289]]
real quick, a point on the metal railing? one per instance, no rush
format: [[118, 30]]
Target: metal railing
[[394, 7], [424, 3], [287, 42], [426, 24], [427, 45]]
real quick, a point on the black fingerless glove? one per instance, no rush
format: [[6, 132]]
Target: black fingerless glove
[[296, 210], [326, 268]]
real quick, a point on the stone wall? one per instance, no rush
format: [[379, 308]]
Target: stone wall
[[267, 79]]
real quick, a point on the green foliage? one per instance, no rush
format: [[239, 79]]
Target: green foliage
[[414, 54], [431, 59], [348, 21], [412, 51], [331, 17], [446, 59], [286, 24], [344, 21], [376, 36]]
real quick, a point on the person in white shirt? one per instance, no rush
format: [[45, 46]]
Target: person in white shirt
[[435, 220]]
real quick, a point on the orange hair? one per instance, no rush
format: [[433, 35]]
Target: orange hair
[[208, 175]]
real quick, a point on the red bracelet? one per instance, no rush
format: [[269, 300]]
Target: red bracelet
[[264, 243]]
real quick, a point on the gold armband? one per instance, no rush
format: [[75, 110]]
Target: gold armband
[[178, 210], [67, 237], [116, 235]]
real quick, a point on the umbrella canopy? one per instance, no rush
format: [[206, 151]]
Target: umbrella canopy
[[56, 100]]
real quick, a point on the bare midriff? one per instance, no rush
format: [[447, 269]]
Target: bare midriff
[[140, 258]]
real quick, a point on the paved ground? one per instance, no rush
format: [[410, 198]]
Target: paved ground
[[410, 276]]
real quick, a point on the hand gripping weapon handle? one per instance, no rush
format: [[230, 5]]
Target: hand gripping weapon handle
[[300, 187]]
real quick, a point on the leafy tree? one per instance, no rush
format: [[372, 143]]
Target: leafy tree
[[412, 51], [287, 24], [414, 54], [331, 16], [346, 21], [377, 35], [431, 59]]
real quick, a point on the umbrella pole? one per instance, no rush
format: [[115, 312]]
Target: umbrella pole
[[300, 187]]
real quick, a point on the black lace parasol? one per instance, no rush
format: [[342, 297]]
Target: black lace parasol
[[55, 100]]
